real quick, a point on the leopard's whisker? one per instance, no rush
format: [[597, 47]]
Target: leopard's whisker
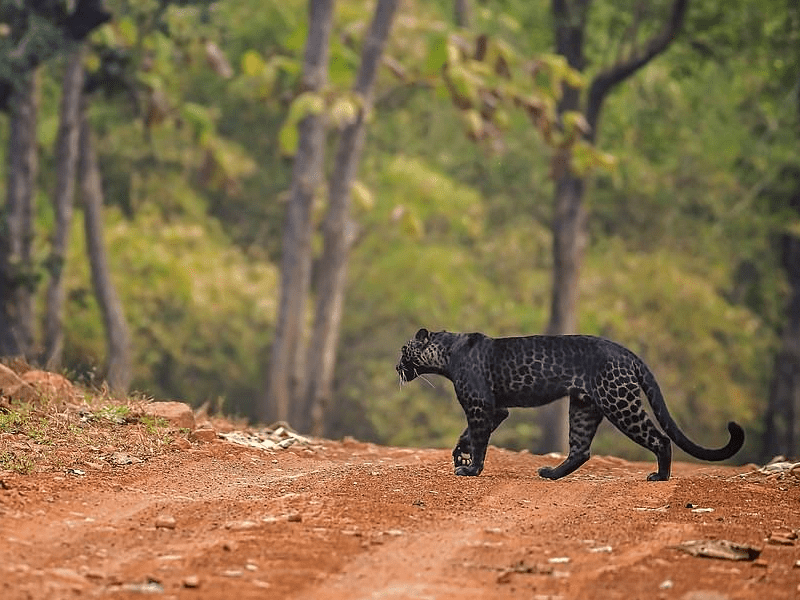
[[426, 380]]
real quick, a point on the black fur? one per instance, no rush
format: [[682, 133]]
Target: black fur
[[601, 378]]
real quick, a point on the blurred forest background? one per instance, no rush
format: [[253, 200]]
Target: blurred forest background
[[629, 169]]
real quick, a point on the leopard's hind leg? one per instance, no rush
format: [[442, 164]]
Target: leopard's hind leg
[[462, 453], [623, 407], [584, 418]]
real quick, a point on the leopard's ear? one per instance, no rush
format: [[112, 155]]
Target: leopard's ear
[[422, 335]]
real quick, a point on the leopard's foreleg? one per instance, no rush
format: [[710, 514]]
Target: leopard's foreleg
[[462, 453]]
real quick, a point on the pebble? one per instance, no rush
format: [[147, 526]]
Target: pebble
[[233, 573], [123, 458], [204, 434], [191, 581], [181, 443], [165, 522], [241, 525], [294, 517]]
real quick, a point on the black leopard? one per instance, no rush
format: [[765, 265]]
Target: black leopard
[[601, 378]]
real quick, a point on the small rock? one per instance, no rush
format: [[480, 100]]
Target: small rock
[[294, 517], [666, 584], [165, 522], [241, 525], [181, 443], [191, 581], [783, 537], [50, 385], [504, 577], [123, 458], [204, 434], [12, 386], [559, 560], [151, 586], [177, 414], [233, 573]]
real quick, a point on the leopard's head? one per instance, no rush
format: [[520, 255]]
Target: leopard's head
[[426, 352]]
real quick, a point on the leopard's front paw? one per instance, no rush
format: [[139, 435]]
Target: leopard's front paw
[[468, 471], [461, 457]]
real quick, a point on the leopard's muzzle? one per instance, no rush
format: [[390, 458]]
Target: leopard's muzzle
[[406, 371]]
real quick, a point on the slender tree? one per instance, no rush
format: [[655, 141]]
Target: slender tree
[[118, 369], [569, 215], [16, 256], [287, 355], [339, 229], [66, 166], [782, 431]]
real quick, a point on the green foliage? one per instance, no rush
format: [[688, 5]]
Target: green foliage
[[184, 290], [18, 463], [453, 234]]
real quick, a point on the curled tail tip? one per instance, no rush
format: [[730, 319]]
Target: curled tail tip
[[737, 436]]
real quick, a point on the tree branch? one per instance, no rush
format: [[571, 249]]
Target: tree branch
[[604, 81]]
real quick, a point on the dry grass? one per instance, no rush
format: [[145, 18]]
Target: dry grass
[[95, 432]]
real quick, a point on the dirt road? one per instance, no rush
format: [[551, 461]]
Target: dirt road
[[348, 520]]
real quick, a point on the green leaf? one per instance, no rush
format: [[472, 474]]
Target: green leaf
[[345, 110], [437, 54], [307, 103], [288, 139], [362, 196], [199, 117], [252, 63]]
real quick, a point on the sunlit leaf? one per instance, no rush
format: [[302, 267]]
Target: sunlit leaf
[[344, 111], [252, 64], [437, 54], [288, 139], [304, 105], [362, 196], [198, 117]]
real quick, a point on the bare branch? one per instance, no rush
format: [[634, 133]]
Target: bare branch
[[604, 81]]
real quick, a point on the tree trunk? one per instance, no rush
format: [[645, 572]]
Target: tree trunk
[[287, 348], [118, 374], [569, 215], [338, 229], [18, 281], [782, 430], [66, 165], [569, 219]]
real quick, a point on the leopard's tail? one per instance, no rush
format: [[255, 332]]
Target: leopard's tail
[[649, 385]]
